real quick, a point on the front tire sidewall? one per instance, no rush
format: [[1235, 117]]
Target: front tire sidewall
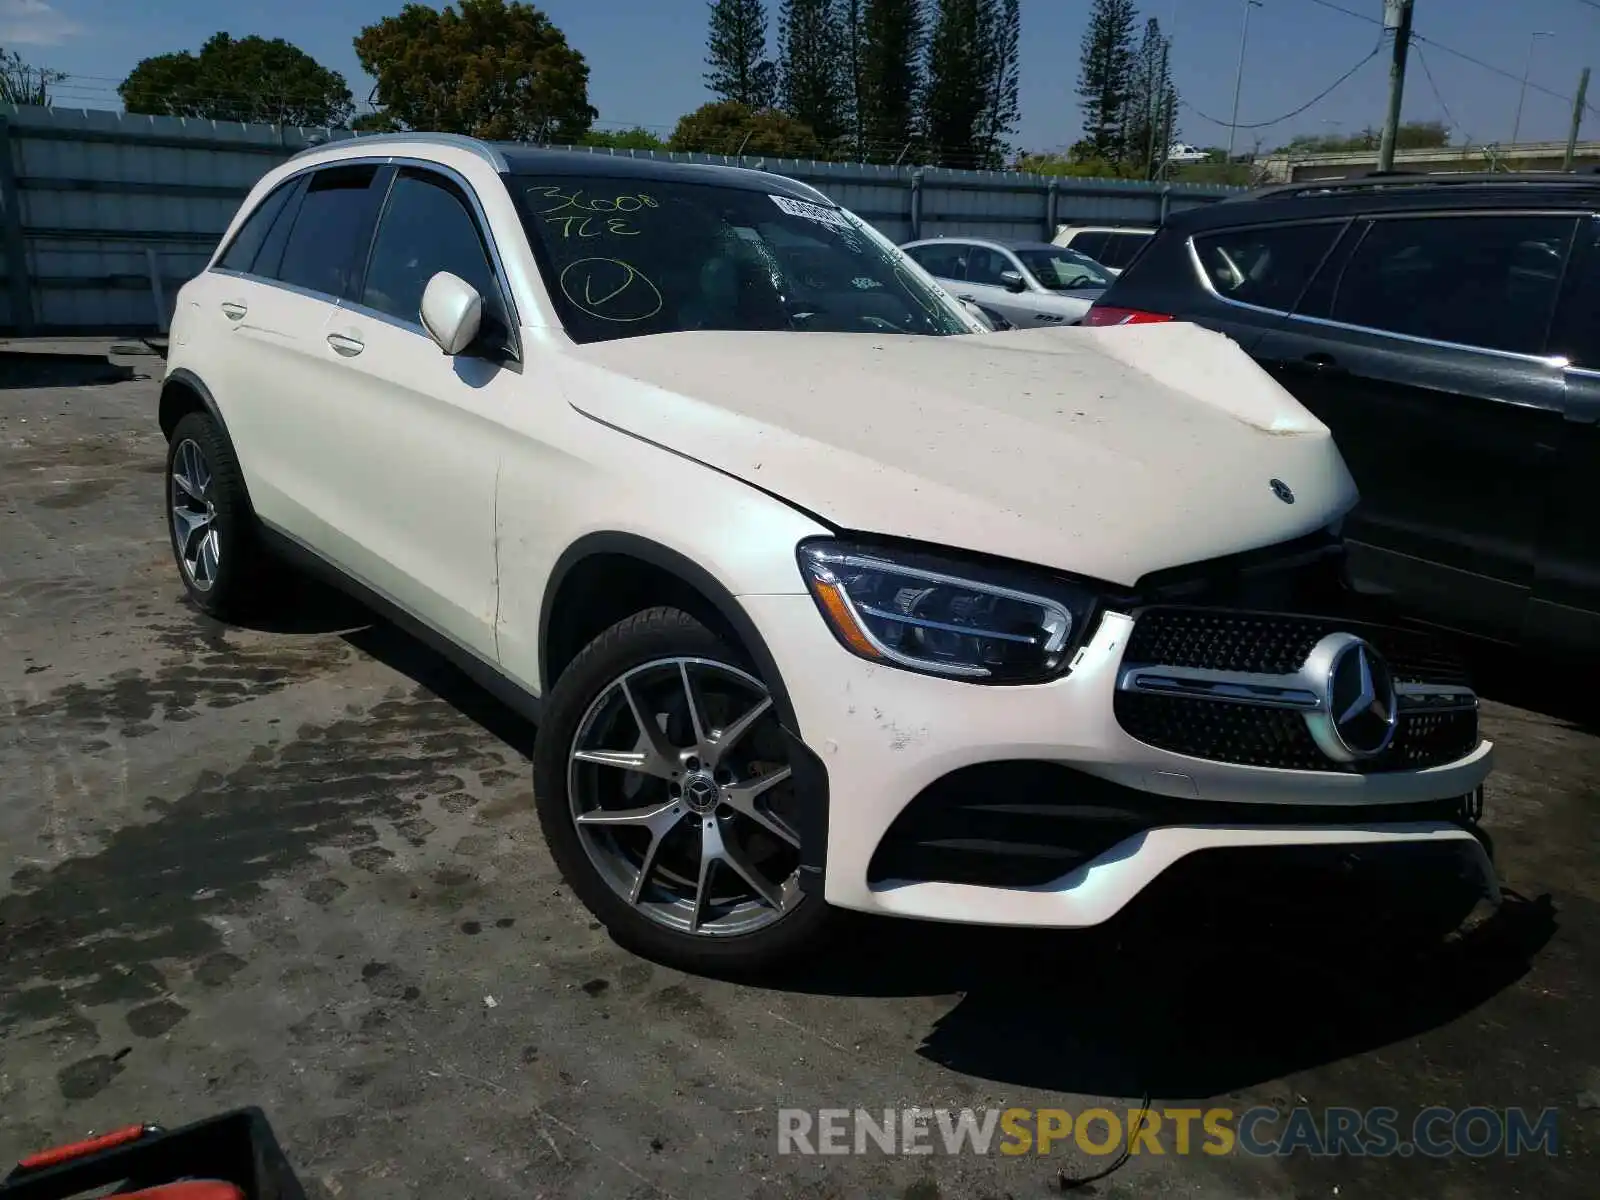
[[652, 635]]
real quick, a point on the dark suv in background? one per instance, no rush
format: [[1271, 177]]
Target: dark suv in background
[[1447, 329]]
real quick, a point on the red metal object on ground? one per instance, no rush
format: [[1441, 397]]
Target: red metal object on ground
[[230, 1157]]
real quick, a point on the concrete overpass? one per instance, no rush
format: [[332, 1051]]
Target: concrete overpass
[[1528, 156]]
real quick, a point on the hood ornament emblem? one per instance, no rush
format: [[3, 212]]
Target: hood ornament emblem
[[1280, 489]]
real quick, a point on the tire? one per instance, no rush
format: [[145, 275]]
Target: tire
[[648, 882], [220, 559]]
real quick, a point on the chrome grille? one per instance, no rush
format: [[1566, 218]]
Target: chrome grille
[[1256, 689]]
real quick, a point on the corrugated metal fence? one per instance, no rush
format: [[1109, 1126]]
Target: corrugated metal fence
[[106, 215]]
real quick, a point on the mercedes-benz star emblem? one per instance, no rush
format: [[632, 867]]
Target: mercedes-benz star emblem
[[1280, 489], [1358, 702]]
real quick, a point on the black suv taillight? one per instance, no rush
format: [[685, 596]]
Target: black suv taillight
[[1107, 314]]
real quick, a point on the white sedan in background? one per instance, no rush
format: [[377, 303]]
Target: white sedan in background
[[1027, 284]]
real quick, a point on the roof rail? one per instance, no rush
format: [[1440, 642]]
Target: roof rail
[[484, 150], [1385, 180]]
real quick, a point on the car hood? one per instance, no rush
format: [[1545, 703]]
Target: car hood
[[1105, 452]]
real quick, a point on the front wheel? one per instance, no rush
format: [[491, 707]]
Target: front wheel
[[663, 787]]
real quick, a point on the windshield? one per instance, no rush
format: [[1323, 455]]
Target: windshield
[[1061, 270], [625, 257]]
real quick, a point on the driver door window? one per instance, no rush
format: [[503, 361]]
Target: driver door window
[[426, 228], [985, 266]]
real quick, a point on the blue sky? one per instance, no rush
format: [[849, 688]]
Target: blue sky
[[645, 56]]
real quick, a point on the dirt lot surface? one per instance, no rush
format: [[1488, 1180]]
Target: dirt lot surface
[[297, 867]]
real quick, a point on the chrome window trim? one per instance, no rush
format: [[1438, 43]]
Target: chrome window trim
[[485, 229], [294, 289], [1551, 361]]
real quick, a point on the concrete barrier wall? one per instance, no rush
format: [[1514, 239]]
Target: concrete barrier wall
[[105, 215]]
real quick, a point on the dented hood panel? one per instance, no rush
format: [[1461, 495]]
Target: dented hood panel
[[1106, 452]]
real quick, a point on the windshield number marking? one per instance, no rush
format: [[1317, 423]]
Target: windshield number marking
[[614, 225]]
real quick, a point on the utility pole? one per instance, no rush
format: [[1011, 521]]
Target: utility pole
[[1396, 16], [1522, 96], [1238, 79], [1577, 120]]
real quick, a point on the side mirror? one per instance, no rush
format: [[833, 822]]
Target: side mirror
[[1014, 281], [452, 312]]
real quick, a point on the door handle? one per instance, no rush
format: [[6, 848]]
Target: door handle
[[1323, 364], [234, 310], [966, 296], [346, 345]]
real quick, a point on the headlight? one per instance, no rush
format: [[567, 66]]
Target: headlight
[[945, 618]]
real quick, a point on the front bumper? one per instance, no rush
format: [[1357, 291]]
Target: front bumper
[[886, 737]]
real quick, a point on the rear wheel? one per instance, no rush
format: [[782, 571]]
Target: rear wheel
[[663, 787], [208, 517]]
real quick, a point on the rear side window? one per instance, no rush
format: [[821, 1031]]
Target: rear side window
[[426, 228], [1093, 244], [1120, 249], [1487, 281], [241, 252], [943, 261], [1267, 267], [329, 230]]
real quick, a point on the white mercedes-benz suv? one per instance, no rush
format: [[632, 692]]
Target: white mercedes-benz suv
[[819, 594]]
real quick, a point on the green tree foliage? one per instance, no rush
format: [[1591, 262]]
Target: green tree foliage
[[248, 79], [851, 14], [954, 104], [491, 68], [890, 89], [1105, 79], [813, 76], [736, 52], [1150, 124], [375, 122], [21, 83], [1412, 135], [971, 94], [624, 139], [1001, 38], [725, 126]]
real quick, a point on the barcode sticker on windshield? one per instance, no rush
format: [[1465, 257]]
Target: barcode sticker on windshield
[[819, 213]]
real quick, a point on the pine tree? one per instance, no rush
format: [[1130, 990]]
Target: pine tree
[[1001, 39], [736, 52], [1106, 77], [957, 88], [850, 16], [812, 72], [1152, 100], [891, 77]]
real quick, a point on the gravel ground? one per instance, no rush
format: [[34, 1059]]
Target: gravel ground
[[297, 867]]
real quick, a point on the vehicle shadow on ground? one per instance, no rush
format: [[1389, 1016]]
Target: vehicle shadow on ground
[[21, 369], [1539, 683], [303, 605], [1168, 1004]]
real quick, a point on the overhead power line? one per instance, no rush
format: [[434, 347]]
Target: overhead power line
[[1320, 96], [1461, 54], [1437, 95]]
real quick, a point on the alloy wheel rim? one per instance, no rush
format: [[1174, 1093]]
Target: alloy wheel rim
[[194, 516], [680, 789]]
